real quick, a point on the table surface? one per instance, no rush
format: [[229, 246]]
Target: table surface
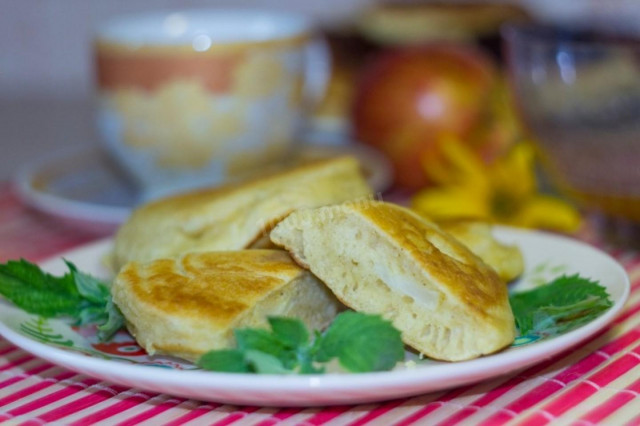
[[596, 383]]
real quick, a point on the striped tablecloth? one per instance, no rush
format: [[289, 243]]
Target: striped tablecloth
[[596, 383]]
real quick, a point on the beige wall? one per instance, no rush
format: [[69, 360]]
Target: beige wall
[[45, 44]]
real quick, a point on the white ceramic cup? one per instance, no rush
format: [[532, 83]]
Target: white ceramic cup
[[197, 98]]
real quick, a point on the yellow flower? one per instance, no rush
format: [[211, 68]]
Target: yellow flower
[[503, 192]]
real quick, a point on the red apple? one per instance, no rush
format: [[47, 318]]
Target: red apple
[[408, 98]]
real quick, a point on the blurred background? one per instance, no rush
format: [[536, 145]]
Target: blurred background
[[46, 74], [47, 95]]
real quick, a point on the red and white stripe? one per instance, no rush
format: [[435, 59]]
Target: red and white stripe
[[597, 383]]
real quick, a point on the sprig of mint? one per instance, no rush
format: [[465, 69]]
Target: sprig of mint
[[559, 306], [360, 342], [76, 295]]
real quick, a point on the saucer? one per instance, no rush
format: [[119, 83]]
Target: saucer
[[86, 189], [81, 187]]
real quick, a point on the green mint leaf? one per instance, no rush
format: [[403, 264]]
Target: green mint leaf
[[306, 356], [237, 361], [75, 295], [90, 314], [31, 274], [554, 320], [226, 360], [263, 363], [290, 331], [559, 306], [361, 343], [260, 340], [307, 366], [89, 287], [102, 311], [266, 342], [114, 322], [31, 289]]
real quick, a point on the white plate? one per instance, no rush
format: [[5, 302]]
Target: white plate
[[87, 190], [546, 256]]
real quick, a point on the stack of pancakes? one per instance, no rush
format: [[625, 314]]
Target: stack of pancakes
[[194, 267]]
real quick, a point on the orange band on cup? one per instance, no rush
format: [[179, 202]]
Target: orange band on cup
[[150, 66]]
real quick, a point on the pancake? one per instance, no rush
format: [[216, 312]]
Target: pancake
[[185, 307], [505, 259], [381, 258], [233, 217]]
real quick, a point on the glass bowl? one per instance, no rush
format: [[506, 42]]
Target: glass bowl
[[578, 94]]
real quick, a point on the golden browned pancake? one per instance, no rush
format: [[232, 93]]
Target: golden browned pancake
[[382, 258], [233, 217], [505, 259], [185, 307]]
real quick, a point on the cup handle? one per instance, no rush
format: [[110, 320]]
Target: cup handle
[[317, 71]]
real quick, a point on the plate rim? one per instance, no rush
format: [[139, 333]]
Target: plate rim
[[110, 215], [414, 380], [58, 206]]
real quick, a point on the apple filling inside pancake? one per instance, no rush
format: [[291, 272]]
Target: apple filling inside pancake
[[381, 258]]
